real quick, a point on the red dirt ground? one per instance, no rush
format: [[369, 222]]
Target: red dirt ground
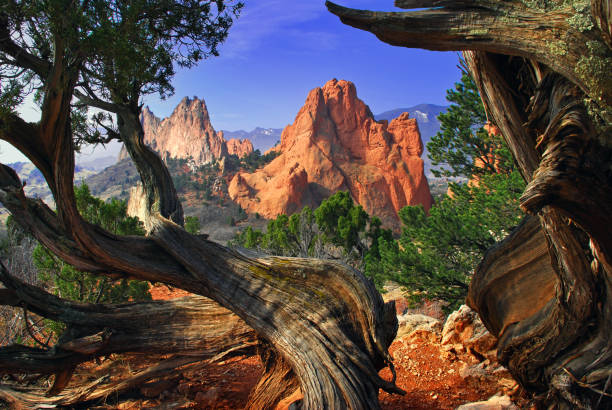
[[430, 377]]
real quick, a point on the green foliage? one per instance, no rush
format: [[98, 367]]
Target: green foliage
[[463, 147], [249, 162], [70, 283], [188, 178], [437, 253], [341, 221], [337, 229], [111, 216], [192, 225]]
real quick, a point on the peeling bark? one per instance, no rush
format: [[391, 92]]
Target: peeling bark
[[193, 326]]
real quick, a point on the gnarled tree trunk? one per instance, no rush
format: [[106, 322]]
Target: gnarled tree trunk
[[324, 322], [543, 70]]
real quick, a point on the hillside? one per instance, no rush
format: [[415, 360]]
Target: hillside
[[202, 191]]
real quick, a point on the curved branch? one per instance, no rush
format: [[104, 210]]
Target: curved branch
[[21, 58], [161, 196], [199, 328], [24, 136], [326, 319], [492, 26], [96, 102]]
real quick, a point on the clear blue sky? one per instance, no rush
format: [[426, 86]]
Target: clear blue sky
[[279, 50]]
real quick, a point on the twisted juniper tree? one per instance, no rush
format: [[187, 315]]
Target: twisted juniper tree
[[543, 71], [320, 326]]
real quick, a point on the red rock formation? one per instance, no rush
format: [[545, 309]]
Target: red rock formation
[[335, 144], [238, 147], [188, 133]]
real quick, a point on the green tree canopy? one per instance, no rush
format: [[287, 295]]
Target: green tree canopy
[[463, 147], [70, 283], [437, 253], [192, 225], [337, 228], [341, 221]]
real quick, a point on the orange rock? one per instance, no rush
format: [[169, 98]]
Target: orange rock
[[238, 147], [335, 144]]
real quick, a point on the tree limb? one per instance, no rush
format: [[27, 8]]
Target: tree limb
[[492, 26], [21, 58]]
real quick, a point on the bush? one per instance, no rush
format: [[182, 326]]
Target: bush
[[67, 282]]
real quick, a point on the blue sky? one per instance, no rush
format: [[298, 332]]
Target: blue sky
[[278, 51]]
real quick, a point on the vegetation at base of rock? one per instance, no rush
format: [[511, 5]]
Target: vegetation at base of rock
[[249, 162], [187, 178], [337, 229], [436, 254]]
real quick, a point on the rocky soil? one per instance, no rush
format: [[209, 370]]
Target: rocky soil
[[440, 366]]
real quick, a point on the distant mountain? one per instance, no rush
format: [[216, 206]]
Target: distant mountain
[[36, 186], [97, 164], [427, 118], [262, 138], [425, 114]]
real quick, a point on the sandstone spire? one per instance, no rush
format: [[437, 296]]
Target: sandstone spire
[[188, 133], [335, 144]]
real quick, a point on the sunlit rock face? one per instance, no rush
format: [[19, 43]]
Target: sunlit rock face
[[188, 133], [335, 144], [238, 147]]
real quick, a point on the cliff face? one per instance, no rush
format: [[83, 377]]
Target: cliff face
[[188, 132], [335, 144]]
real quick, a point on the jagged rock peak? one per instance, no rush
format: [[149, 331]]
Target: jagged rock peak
[[188, 133], [336, 144]]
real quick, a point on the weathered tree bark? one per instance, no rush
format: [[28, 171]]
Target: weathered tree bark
[[543, 71], [193, 329], [323, 319]]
